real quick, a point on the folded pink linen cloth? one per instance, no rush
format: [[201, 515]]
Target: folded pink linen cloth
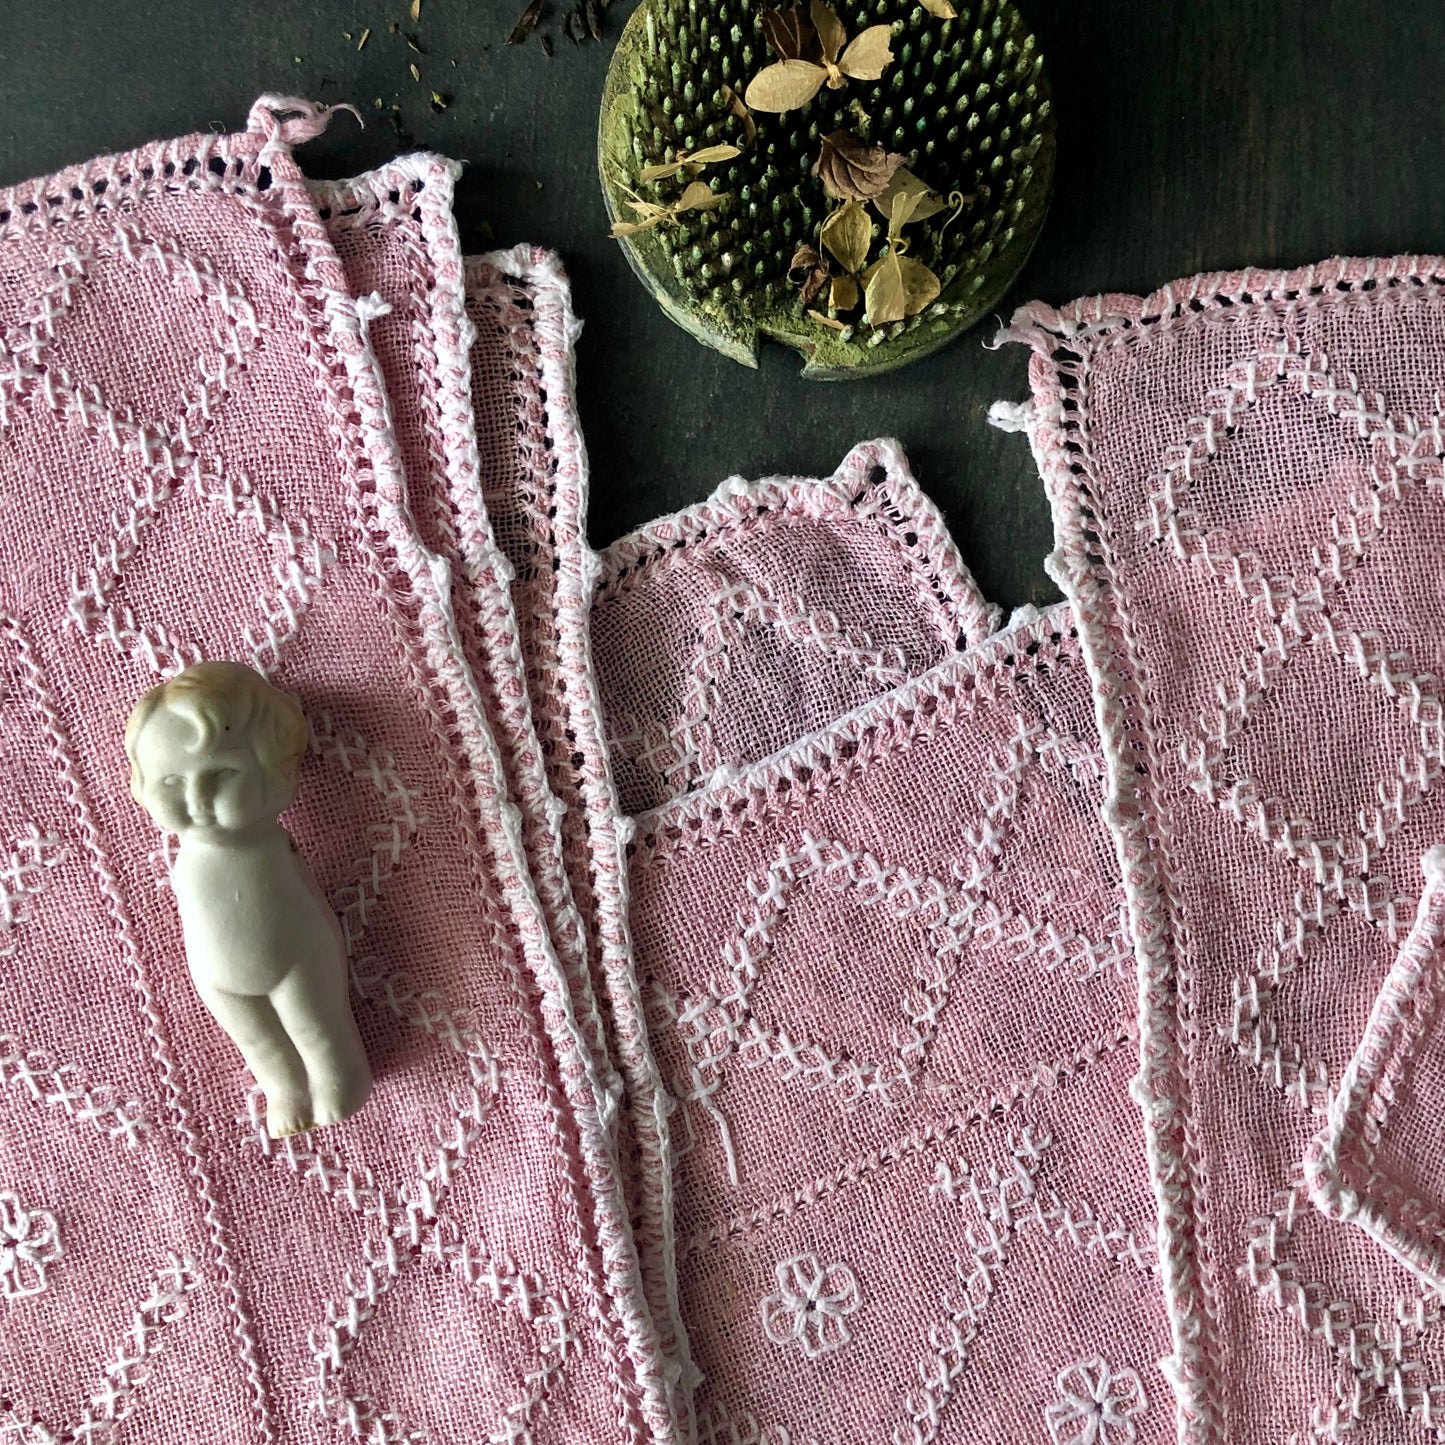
[[786, 610], [535, 496], [196, 459], [887, 980], [395, 234], [1246, 476]]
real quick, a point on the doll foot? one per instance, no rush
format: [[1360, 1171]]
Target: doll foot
[[333, 1104], [289, 1114]]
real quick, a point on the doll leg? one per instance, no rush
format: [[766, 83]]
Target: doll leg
[[313, 1003], [270, 1055]]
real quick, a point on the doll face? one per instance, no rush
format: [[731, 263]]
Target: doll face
[[192, 785]]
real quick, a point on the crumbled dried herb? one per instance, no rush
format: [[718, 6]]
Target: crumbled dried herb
[[526, 22], [439, 102], [795, 79], [852, 170], [415, 73], [365, 36]]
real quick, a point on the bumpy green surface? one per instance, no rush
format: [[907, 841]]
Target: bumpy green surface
[[965, 100]]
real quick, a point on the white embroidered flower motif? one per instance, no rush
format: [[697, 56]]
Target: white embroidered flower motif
[[1097, 1405], [810, 1305], [29, 1242]]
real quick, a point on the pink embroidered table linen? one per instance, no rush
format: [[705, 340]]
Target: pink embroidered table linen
[[198, 460], [1246, 476], [910, 1188]]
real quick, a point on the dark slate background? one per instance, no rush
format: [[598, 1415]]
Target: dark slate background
[[1192, 136]]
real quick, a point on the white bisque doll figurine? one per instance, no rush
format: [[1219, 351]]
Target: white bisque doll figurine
[[214, 755]]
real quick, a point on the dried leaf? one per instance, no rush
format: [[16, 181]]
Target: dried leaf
[[789, 33], [898, 286], [831, 33], [848, 233], [526, 22], [851, 170], [844, 293], [416, 9], [734, 103], [692, 162], [831, 322], [785, 86], [631, 228], [868, 55], [941, 8], [711, 155], [808, 271], [904, 182], [365, 36]]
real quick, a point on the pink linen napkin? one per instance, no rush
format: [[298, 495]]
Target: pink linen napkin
[[1246, 476], [887, 981], [766, 612], [196, 460]]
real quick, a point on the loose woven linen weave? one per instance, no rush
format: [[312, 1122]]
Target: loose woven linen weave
[[910, 1187], [198, 460], [1246, 475]]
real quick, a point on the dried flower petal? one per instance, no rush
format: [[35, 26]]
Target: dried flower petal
[[831, 322], [898, 286], [941, 8], [699, 197], [868, 55], [844, 295], [785, 86], [905, 183], [848, 233], [831, 33], [853, 171], [790, 34]]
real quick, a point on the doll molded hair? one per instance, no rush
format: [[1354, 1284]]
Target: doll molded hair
[[220, 697]]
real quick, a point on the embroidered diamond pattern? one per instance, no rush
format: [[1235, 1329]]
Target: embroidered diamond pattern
[[160, 457]]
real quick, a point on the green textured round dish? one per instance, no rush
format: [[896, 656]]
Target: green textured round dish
[[964, 100]]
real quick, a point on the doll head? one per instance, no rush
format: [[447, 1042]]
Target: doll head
[[214, 748]]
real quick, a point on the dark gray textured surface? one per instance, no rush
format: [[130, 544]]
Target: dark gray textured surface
[[1191, 136]]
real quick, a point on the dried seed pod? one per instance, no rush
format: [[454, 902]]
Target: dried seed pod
[[964, 102]]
